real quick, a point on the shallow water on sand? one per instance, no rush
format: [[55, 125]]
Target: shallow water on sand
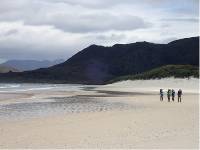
[[58, 105], [40, 107]]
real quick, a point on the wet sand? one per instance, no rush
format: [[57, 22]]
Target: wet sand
[[13, 96], [101, 119]]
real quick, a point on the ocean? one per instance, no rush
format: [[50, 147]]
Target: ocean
[[35, 87]]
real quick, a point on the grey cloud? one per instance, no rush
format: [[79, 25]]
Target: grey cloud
[[101, 4], [93, 3], [167, 40], [182, 19], [112, 37], [59, 28], [94, 22], [11, 32], [69, 19], [74, 15], [18, 40], [106, 39]]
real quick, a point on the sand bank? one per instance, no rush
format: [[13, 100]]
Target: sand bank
[[148, 86]]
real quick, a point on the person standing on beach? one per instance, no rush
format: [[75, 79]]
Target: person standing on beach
[[161, 94], [173, 94], [168, 94], [179, 95]]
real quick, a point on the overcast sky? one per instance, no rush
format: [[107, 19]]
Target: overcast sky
[[53, 29]]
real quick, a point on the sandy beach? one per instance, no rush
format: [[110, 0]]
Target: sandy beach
[[110, 116]]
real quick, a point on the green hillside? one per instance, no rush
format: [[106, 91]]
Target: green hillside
[[177, 71]]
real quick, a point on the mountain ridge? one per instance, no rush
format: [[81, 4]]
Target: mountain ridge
[[26, 65], [98, 64]]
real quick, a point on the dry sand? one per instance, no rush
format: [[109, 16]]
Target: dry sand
[[148, 124]]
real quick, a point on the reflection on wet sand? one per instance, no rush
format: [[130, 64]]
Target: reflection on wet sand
[[63, 105]]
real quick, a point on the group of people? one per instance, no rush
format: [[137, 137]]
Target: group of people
[[171, 93]]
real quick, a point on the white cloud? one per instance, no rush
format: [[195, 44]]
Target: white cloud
[[20, 41], [67, 18], [50, 29]]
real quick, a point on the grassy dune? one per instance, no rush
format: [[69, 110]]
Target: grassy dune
[[177, 71]]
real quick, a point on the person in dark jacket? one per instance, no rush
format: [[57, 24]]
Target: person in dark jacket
[[173, 94], [161, 94], [168, 94], [179, 95]]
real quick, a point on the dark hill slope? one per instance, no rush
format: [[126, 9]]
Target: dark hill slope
[[98, 64]]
